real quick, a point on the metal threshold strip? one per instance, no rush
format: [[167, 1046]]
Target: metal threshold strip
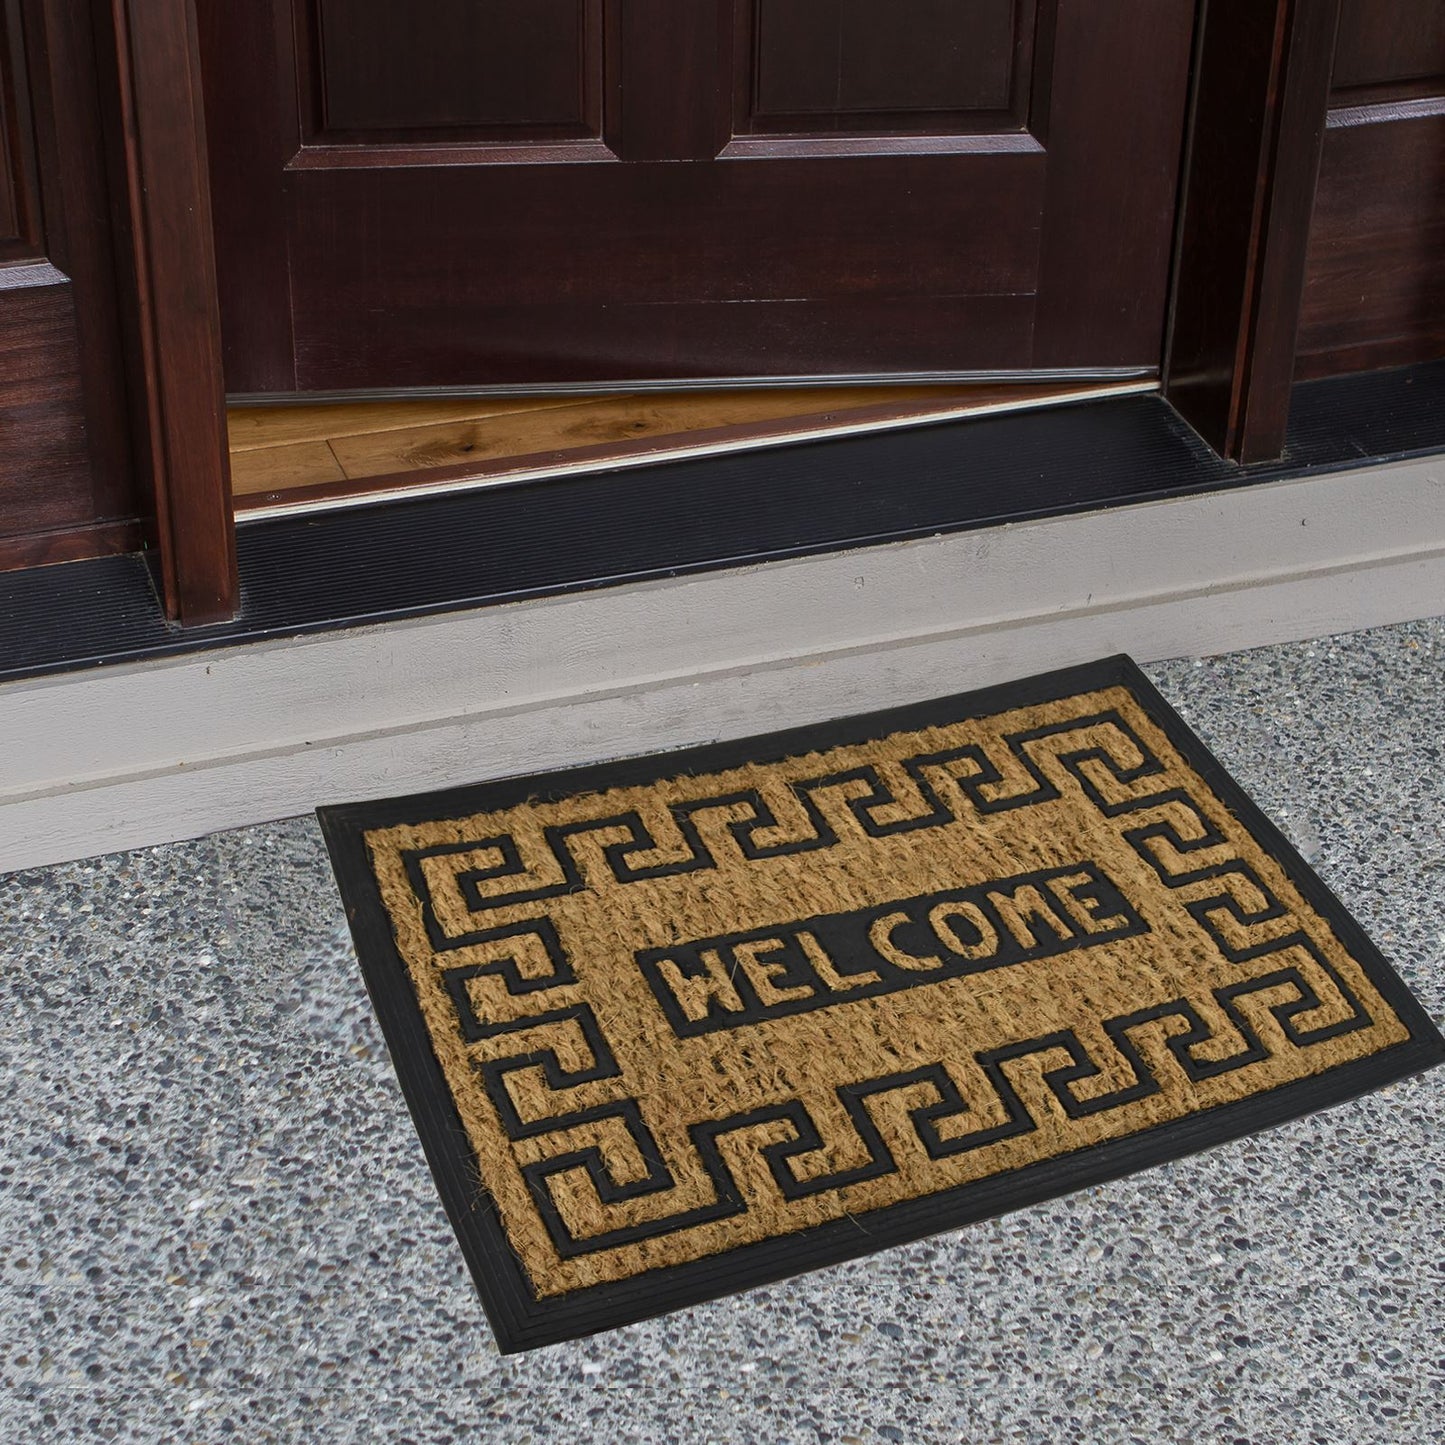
[[592, 388]]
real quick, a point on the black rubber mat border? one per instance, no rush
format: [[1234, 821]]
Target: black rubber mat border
[[521, 1321]]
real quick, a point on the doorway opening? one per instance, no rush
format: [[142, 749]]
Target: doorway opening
[[324, 453]]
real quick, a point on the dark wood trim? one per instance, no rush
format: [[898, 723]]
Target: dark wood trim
[[69, 544], [1262, 76], [175, 321]]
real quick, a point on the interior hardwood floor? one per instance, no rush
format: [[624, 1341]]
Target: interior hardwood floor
[[297, 455]]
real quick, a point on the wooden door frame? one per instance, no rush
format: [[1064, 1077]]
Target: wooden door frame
[[1251, 165], [169, 303], [1251, 160]]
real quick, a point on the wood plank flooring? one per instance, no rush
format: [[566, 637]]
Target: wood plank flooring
[[296, 455]]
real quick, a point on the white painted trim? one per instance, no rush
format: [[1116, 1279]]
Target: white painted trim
[[120, 757]]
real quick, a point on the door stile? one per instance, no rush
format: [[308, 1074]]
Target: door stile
[[1261, 96], [651, 45], [170, 277]]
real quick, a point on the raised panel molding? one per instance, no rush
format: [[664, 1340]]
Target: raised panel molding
[[1374, 290], [810, 66], [1388, 43], [1375, 282], [502, 71], [66, 486], [20, 235], [44, 458]]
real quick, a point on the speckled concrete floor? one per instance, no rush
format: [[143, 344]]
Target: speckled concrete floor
[[215, 1220]]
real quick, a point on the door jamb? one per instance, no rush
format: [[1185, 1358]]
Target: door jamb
[[1251, 164], [169, 289]]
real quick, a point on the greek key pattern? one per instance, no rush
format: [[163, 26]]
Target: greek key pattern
[[651, 1176], [613, 1147], [929, 790]]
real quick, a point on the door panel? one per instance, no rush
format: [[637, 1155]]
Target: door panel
[[66, 486], [20, 237], [1388, 43], [636, 190], [912, 65], [1375, 276], [503, 70]]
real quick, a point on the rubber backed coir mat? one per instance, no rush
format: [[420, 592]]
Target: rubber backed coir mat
[[684, 1024]]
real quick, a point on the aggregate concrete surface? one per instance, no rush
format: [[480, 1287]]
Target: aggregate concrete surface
[[216, 1222]]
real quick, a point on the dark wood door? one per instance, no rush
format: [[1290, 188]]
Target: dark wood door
[[66, 481], [535, 192]]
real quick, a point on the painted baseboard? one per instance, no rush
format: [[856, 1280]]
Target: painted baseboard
[[130, 755]]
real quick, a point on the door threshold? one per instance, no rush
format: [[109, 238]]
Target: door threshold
[[818, 381], [299, 459], [477, 549]]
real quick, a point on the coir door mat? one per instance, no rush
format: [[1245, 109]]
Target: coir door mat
[[684, 1024]]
